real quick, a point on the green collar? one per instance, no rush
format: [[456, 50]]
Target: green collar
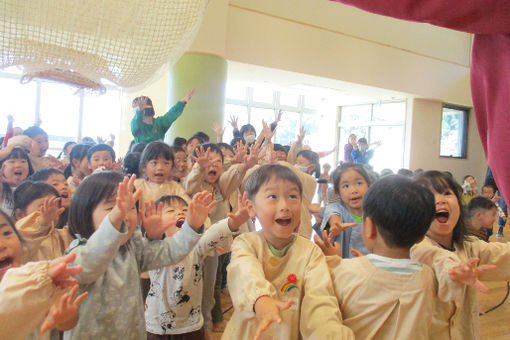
[[281, 252]]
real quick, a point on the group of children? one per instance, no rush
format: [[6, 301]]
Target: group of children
[[399, 259]]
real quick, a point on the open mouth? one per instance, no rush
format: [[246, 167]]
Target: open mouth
[[284, 222], [212, 173], [64, 195], [442, 216], [5, 263], [180, 222], [18, 173], [355, 199]]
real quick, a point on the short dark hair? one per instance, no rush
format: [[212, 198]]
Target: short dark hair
[[44, 174], [466, 177], [90, 193], [19, 153], [153, 150], [176, 149], [442, 182], [79, 151], [479, 203], [29, 191], [245, 128], [279, 147], [362, 140], [402, 210], [492, 186], [131, 164], [237, 140], [139, 147], [171, 199], [34, 131], [201, 135], [179, 142], [226, 146], [98, 148], [264, 173], [336, 176], [213, 147], [405, 172]]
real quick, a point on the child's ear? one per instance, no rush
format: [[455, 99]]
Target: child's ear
[[18, 214], [251, 209], [369, 230]]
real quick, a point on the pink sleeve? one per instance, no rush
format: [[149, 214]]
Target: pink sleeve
[[472, 16]]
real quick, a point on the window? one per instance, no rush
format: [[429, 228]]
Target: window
[[384, 123], [454, 124], [60, 109]]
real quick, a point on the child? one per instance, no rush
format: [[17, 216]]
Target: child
[[37, 209], [469, 187], [131, 164], [63, 156], [192, 144], [180, 168], [277, 276], [39, 147], [145, 128], [156, 166], [15, 168], [481, 215], [29, 292], [350, 182], [447, 237], [113, 252], [281, 152], [56, 179], [101, 157], [79, 164], [173, 305], [489, 191], [387, 295]]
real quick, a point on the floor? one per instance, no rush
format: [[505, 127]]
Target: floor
[[494, 325]]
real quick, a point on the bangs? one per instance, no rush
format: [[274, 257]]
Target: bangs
[[17, 153], [439, 182]]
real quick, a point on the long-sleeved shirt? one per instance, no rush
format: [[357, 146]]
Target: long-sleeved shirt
[[146, 133], [301, 275], [111, 276]]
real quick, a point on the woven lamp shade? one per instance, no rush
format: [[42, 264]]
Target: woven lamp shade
[[81, 42]]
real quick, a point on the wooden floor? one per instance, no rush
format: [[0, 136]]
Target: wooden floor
[[494, 325]]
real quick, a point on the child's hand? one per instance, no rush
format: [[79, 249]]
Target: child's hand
[[152, 221], [199, 208], [266, 132], [301, 135], [468, 273], [271, 156], [241, 215], [336, 226], [50, 210], [202, 157], [356, 253], [218, 129], [233, 122], [253, 158], [61, 273], [240, 152], [327, 248], [63, 314], [116, 166], [126, 199], [268, 311]]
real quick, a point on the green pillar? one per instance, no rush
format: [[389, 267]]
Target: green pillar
[[208, 74]]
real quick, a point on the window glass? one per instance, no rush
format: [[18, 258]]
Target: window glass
[[390, 152], [311, 102], [237, 111], [59, 114], [453, 132], [101, 116], [287, 129], [263, 95], [358, 113], [19, 101], [236, 91], [288, 98], [395, 112], [258, 115]]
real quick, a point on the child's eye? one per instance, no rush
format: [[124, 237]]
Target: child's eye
[[6, 233], [345, 186], [271, 196], [293, 196]]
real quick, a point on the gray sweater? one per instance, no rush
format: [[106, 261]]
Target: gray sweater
[[111, 275]]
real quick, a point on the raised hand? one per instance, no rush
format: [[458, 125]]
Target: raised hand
[[301, 135], [268, 311], [202, 157], [240, 152], [233, 122], [235, 220], [152, 220], [61, 273], [468, 273], [218, 130], [266, 132], [254, 156], [199, 208], [126, 199], [63, 314], [188, 97], [50, 210], [328, 248]]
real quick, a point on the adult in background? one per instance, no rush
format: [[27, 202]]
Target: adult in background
[[349, 147], [145, 128]]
